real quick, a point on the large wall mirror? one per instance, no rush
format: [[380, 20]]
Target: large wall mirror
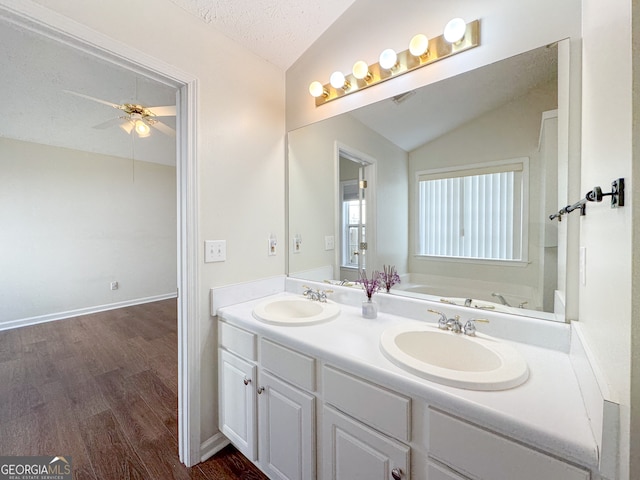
[[451, 184]]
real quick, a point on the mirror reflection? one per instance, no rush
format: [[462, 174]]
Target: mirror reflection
[[451, 184]]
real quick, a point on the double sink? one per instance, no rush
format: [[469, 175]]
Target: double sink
[[478, 362]]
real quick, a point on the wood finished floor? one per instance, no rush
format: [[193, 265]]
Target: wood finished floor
[[103, 389]]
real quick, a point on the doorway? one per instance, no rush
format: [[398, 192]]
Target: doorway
[[356, 213], [55, 27]]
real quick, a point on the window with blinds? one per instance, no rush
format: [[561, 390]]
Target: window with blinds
[[476, 212]]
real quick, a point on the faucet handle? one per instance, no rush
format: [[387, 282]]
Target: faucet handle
[[442, 323], [470, 326], [322, 295]]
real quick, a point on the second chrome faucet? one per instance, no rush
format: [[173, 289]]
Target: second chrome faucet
[[454, 324]]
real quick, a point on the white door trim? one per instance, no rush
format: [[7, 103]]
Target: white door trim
[[60, 28]]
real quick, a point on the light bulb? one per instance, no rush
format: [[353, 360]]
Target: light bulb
[[337, 80], [388, 59], [454, 30], [142, 129], [419, 45], [361, 70], [316, 89]]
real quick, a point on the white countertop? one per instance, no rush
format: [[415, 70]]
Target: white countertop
[[546, 412]]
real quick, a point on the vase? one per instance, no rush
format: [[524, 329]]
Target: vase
[[369, 309]]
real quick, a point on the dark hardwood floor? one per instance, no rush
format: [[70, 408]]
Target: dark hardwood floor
[[103, 389]]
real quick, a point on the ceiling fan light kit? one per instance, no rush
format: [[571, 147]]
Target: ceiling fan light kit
[[137, 117]]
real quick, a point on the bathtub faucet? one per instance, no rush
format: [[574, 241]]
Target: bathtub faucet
[[501, 298]]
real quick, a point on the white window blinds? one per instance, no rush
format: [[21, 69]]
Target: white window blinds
[[472, 213]]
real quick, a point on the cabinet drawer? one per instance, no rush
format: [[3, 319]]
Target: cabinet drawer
[[379, 407], [294, 367], [482, 454], [439, 472], [237, 340]]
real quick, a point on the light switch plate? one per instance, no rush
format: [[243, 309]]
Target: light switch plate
[[329, 242], [215, 251]]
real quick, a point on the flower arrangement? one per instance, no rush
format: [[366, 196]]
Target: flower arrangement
[[389, 277], [370, 285]]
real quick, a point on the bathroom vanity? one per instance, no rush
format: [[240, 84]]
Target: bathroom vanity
[[323, 401]]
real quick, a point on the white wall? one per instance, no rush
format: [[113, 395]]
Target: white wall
[[510, 131], [313, 192], [605, 300], [240, 148], [72, 222]]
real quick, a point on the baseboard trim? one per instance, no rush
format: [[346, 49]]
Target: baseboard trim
[[23, 322], [212, 445]]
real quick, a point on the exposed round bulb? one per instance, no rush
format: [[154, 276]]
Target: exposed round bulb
[[360, 70], [454, 30], [316, 89], [388, 59], [142, 129], [337, 80], [419, 45]]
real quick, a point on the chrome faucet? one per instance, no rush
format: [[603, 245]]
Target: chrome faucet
[[454, 325], [501, 298], [315, 295]]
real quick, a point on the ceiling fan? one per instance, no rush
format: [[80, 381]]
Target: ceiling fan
[[136, 117]]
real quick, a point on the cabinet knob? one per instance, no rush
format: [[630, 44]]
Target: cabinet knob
[[396, 473], [247, 381], [260, 390]]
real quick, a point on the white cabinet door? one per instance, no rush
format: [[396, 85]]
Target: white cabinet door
[[238, 403], [287, 430], [353, 451]]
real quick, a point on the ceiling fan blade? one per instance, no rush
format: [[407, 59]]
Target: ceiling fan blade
[[166, 129], [114, 122], [104, 102], [164, 111]]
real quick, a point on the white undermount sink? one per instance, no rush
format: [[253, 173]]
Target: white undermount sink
[[454, 359], [295, 311]]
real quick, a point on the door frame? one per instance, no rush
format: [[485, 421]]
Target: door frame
[[48, 23], [341, 149]]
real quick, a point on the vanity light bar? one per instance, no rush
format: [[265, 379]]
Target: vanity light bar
[[438, 48]]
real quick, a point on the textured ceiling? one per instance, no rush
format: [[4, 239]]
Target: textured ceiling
[[277, 30]]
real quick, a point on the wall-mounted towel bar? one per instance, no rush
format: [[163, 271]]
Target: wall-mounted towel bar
[[595, 195]]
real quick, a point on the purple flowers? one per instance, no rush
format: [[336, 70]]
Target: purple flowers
[[389, 277], [370, 285], [385, 279]]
